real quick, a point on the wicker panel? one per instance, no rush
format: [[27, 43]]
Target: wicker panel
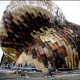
[[35, 31], [31, 60]]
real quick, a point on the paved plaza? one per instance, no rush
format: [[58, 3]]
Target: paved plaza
[[65, 75]]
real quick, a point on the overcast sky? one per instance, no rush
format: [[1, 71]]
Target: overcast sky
[[71, 10]]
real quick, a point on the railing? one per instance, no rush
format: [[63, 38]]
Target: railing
[[22, 68]]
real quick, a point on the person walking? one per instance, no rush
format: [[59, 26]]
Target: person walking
[[49, 68]]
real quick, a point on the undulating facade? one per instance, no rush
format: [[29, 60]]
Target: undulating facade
[[35, 32]]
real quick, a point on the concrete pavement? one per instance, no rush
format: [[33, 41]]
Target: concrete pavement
[[65, 75]]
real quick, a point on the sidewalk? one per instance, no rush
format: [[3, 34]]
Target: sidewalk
[[64, 75]]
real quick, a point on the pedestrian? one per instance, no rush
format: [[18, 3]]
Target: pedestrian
[[49, 68]]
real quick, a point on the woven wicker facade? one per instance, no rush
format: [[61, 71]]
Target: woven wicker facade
[[35, 32]]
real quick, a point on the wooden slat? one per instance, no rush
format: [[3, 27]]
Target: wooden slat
[[51, 45]]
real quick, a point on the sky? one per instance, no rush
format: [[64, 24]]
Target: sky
[[71, 10]]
